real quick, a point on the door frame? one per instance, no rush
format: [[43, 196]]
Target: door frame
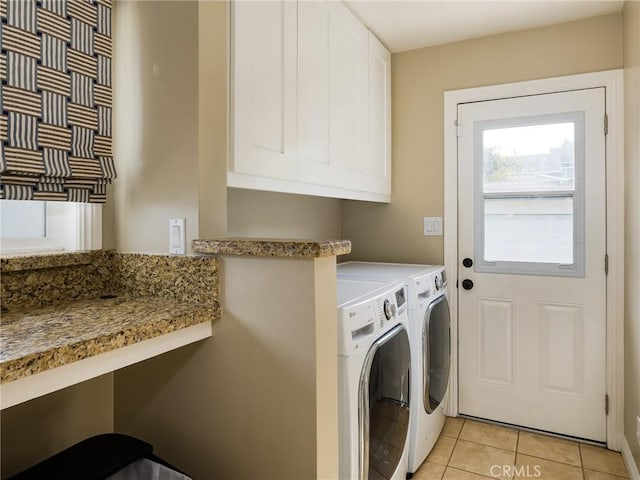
[[612, 81]]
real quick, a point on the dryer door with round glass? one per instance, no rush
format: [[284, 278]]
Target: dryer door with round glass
[[436, 344], [384, 405]]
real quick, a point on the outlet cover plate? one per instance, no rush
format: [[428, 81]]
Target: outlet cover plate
[[177, 236], [433, 226]]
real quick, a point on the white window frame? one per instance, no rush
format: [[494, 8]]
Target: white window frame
[[69, 227], [613, 82], [574, 269]]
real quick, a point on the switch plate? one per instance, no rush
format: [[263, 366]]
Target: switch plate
[[177, 236], [638, 430], [433, 226]]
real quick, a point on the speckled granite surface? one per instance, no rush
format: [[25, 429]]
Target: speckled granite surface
[[50, 260], [185, 278], [271, 247], [52, 314], [40, 280], [57, 335]]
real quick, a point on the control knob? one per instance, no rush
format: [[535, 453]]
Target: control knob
[[389, 309]]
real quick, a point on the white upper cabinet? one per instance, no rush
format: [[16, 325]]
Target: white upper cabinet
[[264, 89], [308, 79], [316, 19], [332, 94], [349, 100], [377, 168]]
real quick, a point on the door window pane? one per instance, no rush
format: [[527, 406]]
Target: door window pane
[[529, 195], [530, 158], [529, 229]]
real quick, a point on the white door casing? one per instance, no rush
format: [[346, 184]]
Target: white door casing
[[612, 81], [532, 329]]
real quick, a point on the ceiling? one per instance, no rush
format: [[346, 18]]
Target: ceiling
[[405, 25]]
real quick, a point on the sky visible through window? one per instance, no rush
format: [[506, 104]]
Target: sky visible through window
[[22, 219], [528, 140]]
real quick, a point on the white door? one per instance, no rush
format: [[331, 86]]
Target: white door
[[532, 245]]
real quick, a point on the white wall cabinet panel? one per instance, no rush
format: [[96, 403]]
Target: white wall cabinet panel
[[308, 80], [333, 99], [315, 21], [377, 167], [349, 99], [264, 89]]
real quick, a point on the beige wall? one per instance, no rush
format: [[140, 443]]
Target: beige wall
[[419, 78], [247, 403], [37, 429], [252, 213], [212, 117], [631, 32], [207, 407], [170, 139], [156, 122]]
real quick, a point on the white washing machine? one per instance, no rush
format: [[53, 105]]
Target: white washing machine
[[374, 377], [430, 339]]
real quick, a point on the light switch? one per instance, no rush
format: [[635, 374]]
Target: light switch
[[433, 226], [177, 236]]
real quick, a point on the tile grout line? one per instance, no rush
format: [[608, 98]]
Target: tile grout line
[[492, 446], [455, 444], [584, 474], [554, 461], [515, 458]]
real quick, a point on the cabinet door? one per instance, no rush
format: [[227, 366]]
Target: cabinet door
[[315, 20], [349, 102], [264, 89], [332, 94], [377, 167]]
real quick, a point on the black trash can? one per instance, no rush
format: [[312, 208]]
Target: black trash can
[[110, 456]]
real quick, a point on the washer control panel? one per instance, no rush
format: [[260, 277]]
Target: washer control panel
[[367, 309], [440, 281], [390, 307]]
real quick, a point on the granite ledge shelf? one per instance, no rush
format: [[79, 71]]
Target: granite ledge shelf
[[46, 338], [272, 247], [61, 324]]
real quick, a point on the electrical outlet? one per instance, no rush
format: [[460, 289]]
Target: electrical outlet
[[638, 430]]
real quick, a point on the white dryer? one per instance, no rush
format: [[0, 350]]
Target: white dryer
[[374, 379], [430, 339]]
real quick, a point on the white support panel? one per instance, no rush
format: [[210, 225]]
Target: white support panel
[[33, 386]]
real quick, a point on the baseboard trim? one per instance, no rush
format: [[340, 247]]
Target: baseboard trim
[[630, 463]]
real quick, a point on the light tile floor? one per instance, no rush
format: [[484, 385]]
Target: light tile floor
[[470, 450]]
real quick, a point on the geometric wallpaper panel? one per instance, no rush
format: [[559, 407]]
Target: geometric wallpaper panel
[[56, 100]]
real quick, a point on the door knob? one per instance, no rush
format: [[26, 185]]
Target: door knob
[[467, 284], [467, 262]]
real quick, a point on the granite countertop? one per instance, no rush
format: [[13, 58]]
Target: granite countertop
[[54, 312], [270, 247], [48, 337]]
